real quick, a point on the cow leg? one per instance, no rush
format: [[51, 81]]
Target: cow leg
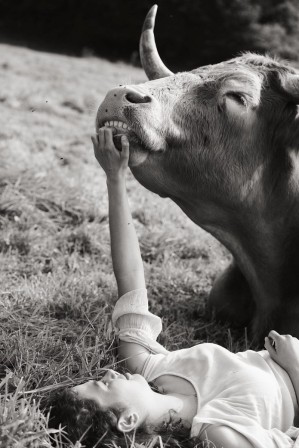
[[288, 322], [230, 299], [289, 325], [284, 319]]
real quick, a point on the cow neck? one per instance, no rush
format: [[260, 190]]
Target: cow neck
[[258, 245], [255, 255]]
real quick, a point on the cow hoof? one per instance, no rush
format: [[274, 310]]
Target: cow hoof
[[230, 299]]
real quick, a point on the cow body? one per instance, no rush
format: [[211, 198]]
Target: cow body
[[222, 141]]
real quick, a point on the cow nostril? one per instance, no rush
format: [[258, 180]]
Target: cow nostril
[[136, 98]]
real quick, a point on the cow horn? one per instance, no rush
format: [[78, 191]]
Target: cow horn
[[290, 85], [150, 59]]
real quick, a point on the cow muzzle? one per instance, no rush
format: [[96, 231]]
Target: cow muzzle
[[126, 109], [120, 98]]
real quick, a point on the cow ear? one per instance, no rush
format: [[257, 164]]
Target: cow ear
[[289, 84]]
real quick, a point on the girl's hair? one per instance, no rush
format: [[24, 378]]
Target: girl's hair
[[84, 420]]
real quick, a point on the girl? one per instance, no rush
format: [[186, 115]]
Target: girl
[[238, 400]]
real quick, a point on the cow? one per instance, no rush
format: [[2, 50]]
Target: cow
[[222, 141]]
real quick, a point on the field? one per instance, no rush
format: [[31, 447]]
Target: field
[[56, 280]]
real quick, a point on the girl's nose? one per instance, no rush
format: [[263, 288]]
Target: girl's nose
[[111, 375]]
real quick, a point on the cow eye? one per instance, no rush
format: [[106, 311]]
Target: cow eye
[[238, 97]]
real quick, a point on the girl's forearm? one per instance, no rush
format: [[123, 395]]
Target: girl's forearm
[[284, 349], [126, 257], [294, 375]]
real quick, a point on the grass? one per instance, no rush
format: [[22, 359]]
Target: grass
[[56, 275]]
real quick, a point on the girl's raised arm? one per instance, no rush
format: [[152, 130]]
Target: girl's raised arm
[[126, 257]]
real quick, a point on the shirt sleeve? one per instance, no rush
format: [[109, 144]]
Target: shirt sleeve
[[133, 322]]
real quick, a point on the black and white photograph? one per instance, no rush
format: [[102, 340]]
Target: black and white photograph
[[149, 224]]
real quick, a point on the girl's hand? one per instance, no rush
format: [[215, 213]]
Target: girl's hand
[[283, 349], [113, 162]]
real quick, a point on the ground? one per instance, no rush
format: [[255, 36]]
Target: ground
[[56, 281]]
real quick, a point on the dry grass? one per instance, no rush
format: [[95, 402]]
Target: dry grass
[[56, 275]]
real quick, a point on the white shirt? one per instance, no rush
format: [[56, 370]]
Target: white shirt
[[246, 391]]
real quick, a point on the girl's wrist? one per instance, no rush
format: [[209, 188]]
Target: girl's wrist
[[116, 178]]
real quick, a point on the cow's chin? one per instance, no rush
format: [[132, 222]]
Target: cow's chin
[[142, 145], [138, 155]]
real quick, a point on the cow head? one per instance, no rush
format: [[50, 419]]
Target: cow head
[[208, 133]]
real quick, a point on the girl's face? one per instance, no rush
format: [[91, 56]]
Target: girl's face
[[119, 391]]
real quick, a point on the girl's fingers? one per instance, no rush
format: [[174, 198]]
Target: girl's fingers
[[269, 345], [273, 334], [125, 146], [101, 138], [109, 138], [95, 142], [274, 338]]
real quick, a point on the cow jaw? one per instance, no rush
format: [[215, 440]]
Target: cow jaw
[[143, 140], [138, 154]]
